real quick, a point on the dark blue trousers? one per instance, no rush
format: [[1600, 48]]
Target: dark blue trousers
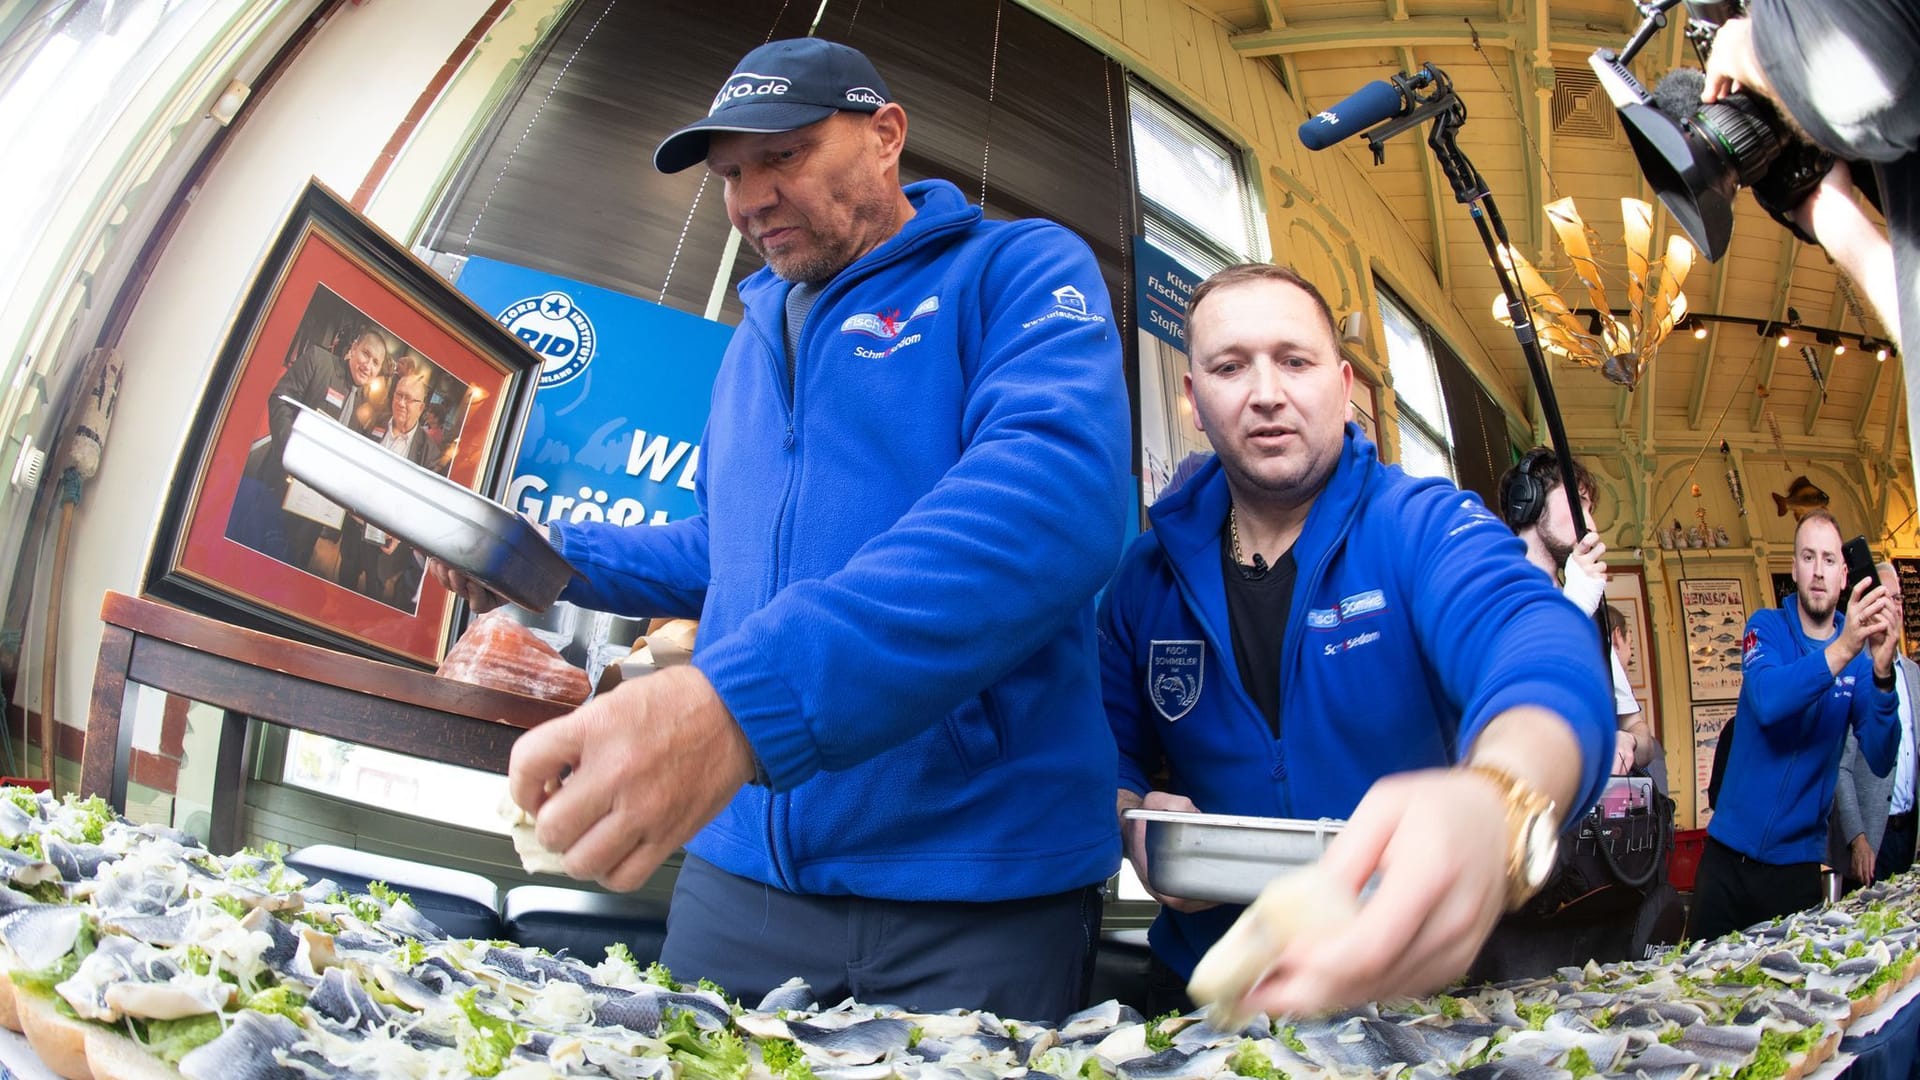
[[1021, 959], [1896, 847]]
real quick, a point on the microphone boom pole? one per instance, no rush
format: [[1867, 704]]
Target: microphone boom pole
[[1448, 113]]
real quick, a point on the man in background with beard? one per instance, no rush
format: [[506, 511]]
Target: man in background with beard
[[1534, 504], [1810, 675]]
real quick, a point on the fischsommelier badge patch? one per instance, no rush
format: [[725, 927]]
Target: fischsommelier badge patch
[[1175, 670]]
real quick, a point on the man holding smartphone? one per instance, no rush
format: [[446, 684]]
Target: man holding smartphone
[[1812, 675]]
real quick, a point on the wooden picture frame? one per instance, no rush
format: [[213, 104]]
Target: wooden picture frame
[[341, 318], [1627, 593]]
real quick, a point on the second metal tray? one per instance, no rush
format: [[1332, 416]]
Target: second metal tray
[[469, 532], [1225, 858]]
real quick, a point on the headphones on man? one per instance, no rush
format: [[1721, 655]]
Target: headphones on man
[[1522, 495]]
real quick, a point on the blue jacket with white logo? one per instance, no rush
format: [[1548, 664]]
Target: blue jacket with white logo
[[896, 564], [1793, 717], [1415, 620]]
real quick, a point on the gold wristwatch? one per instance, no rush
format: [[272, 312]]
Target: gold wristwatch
[[1533, 833]]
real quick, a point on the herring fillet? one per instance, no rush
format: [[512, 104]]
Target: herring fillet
[[1306, 902]]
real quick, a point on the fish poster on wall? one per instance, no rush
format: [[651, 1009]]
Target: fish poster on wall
[[1715, 615], [1709, 720]]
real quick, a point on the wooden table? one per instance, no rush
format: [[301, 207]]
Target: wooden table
[[252, 677]]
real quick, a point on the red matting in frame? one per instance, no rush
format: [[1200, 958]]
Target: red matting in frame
[[208, 555]]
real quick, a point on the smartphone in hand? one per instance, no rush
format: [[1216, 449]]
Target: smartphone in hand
[[1859, 562]]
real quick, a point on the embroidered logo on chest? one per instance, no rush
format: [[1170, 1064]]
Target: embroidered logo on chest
[[1175, 672], [887, 325]]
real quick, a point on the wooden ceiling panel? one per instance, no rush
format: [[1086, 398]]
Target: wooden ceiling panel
[[1335, 46]]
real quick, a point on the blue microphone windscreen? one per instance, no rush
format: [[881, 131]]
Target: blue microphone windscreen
[[1365, 107]]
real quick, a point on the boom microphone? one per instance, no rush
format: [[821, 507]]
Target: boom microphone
[[1377, 101]]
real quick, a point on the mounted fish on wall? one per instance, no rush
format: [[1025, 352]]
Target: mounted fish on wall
[[1800, 498]]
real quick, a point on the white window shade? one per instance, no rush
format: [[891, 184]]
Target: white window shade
[[1421, 454], [1200, 258], [1191, 175], [1415, 381]]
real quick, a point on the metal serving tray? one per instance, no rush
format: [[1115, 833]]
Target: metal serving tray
[[1225, 858], [469, 532]]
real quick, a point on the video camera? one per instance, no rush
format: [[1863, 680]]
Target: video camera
[[1697, 156]]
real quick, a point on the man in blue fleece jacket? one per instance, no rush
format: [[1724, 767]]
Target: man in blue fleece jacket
[[1308, 633], [889, 742], [1809, 675]]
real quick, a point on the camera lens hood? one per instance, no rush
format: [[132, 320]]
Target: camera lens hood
[[1693, 180]]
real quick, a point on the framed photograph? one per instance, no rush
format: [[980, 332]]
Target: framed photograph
[[1909, 572], [1709, 720], [342, 319], [1783, 586], [1714, 612], [1627, 594]]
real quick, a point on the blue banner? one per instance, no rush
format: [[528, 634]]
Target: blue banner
[[1164, 287], [614, 434]]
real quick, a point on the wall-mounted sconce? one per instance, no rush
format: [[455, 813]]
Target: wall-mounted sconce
[[227, 105]]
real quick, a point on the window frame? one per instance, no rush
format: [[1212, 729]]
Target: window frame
[[1436, 431]]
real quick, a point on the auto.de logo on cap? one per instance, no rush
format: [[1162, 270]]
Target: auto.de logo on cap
[[747, 85], [865, 95]]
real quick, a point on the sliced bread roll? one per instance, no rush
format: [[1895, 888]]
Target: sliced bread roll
[[1306, 902], [114, 1056], [9, 1013], [59, 1040]]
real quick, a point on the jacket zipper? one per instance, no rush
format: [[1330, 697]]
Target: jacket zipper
[[774, 798], [790, 399], [1290, 651]]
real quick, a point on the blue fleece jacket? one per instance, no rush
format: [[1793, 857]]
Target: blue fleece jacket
[[1415, 620], [896, 563], [1793, 717]]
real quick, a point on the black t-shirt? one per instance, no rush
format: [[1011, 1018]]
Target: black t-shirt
[[1257, 611]]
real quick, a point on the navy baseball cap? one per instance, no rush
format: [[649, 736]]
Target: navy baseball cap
[[780, 86]]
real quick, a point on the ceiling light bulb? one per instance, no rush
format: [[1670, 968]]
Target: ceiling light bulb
[[1699, 333], [1881, 355], [1785, 340], [1839, 350]]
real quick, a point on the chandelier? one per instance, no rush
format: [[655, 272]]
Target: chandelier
[[1619, 342]]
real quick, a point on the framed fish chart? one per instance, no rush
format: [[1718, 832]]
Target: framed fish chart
[[1714, 613], [1709, 721]]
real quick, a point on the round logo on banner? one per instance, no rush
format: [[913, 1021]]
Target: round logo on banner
[[557, 330]]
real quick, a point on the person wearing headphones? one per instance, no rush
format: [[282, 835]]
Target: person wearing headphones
[[1532, 501]]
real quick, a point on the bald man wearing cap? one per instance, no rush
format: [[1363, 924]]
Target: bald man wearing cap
[[888, 761]]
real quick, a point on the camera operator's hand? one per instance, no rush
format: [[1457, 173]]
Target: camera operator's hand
[[1733, 66]]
